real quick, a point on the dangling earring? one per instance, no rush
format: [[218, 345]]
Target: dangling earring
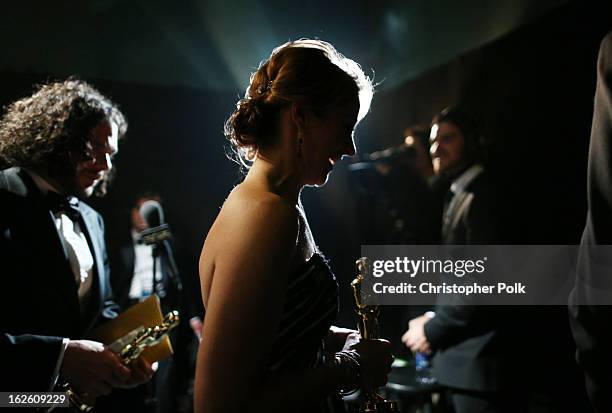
[[300, 141]]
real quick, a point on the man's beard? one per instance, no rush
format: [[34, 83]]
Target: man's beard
[[453, 173], [101, 186]]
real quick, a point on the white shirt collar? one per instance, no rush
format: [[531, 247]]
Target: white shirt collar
[[466, 178]]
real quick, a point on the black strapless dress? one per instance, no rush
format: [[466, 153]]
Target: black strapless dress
[[311, 305]]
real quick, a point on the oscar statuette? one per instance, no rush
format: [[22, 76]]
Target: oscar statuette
[[367, 322], [128, 348]]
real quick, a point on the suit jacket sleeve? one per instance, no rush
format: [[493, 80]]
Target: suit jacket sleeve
[[110, 309], [19, 353], [591, 323]]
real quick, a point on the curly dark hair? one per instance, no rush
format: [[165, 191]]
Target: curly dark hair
[[311, 72], [51, 128]]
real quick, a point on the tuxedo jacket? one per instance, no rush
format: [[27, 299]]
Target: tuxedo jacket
[[592, 324], [39, 304], [472, 343]]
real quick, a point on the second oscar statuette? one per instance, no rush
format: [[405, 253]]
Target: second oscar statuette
[[367, 323]]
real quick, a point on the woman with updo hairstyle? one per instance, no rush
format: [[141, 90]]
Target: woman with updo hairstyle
[[268, 344]]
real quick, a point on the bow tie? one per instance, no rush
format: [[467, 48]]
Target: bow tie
[[68, 205]]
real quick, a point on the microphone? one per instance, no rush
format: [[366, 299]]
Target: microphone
[[152, 212], [158, 231], [381, 162], [390, 154]]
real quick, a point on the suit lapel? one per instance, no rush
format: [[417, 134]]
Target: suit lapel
[[460, 202], [452, 213], [460, 210], [91, 229]]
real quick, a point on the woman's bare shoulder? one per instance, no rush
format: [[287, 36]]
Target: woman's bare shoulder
[[250, 206], [249, 215], [252, 230]]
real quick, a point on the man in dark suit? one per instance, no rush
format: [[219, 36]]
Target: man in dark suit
[[591, 322], [59, 143], [472, 351], [138, 271], [132, 276]]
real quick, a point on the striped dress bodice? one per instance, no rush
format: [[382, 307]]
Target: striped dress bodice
[[311, 304]]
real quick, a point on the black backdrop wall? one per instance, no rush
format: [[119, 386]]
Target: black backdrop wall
[[532, 91]]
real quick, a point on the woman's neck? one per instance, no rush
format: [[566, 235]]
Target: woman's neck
[[276, 165], [277, 176]]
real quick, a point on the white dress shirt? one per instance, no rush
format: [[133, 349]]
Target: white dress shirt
[[142, 281]]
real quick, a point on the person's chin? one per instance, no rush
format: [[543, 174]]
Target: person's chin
[[85, 191], [446, 169]]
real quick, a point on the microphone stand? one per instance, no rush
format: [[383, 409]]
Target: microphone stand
[[157, 238], [154, 255]]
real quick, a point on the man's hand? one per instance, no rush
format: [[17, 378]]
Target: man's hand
[[196, 326], [415, 337], [141, 371], [91, 368], [375, 360]]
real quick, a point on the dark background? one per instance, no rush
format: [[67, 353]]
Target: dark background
[[526, 71]]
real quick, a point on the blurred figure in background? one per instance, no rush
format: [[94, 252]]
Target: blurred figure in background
[[480, 352], [133, 279], [591, 323], [472, 350]]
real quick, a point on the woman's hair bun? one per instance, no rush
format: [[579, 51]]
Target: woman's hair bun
[[244, 126]]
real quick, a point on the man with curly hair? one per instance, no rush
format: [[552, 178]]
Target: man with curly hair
[[59, 142]]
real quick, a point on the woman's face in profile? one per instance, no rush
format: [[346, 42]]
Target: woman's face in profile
[[327, 139]]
